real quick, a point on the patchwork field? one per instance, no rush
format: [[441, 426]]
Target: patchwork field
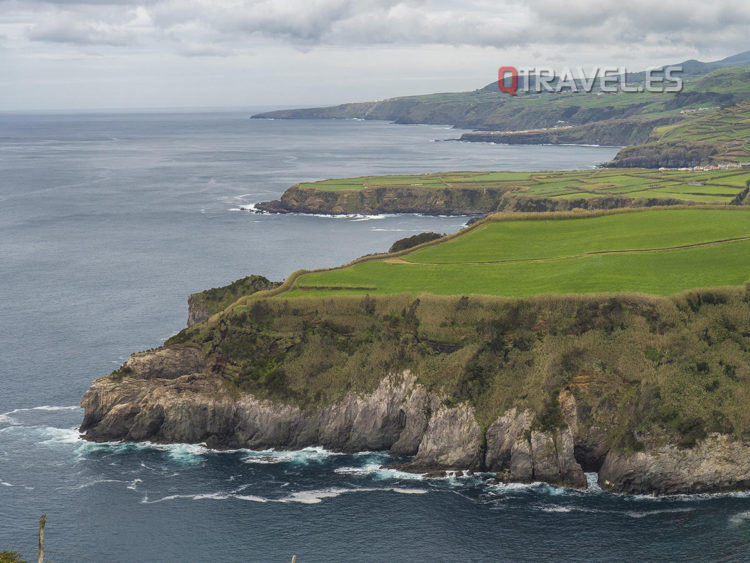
[[714, 186], [726, 129], [705, 135], [658, 251]]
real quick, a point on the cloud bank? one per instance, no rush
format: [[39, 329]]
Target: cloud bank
[[146, 53], [223, 25]]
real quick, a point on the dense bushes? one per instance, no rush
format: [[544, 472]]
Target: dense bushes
[[410, 242], [644, 368]]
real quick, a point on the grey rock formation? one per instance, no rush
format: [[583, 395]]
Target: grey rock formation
[[169, 395], [527, 455], [717, 463]]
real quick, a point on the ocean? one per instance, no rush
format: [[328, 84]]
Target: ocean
[[109, 221]]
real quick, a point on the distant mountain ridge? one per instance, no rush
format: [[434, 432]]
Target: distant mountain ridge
[[707, 84]]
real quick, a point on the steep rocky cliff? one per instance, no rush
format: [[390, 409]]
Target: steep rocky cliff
[[438, 201], [649, 392], [166, 399]]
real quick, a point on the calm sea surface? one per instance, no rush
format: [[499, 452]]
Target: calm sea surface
[[109, 221]]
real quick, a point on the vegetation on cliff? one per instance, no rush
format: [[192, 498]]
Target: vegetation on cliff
[[671, 363], [647, 370], [713, 136], [517, 384], [465, 193], [203, 304], [412, 241], [614, 132], [706, 123], [487, 109]]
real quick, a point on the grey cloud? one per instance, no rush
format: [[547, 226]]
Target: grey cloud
[[224, 26], [88, 33]]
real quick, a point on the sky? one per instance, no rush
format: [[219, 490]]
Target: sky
[[111, 54]]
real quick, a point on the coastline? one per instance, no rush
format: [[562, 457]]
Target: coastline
[[179, 394]]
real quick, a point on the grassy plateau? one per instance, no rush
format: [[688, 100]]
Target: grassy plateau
[[657, 251], [712, 186]]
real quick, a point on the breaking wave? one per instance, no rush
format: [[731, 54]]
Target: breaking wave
[[314, 496]]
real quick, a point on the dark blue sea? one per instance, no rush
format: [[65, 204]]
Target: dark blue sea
[[109, 221]]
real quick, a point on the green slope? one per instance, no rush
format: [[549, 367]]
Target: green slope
[[659, 252]]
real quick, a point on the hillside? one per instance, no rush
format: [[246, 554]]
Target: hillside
[[487, 109], [421, 353], [465, 193], [704, 137]]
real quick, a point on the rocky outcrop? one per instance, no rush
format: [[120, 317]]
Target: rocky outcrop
[[268, 373], [452, 439], [198, 408], [668, 154], [165, 397], [521, 454], [387, 199], [435, 201], [203, 304], [717, 463], [165, 363]]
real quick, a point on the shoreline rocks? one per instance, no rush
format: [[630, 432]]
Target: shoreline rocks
[[165, 397]]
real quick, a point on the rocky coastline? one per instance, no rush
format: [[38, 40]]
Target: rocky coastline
[[180, 394], [448, 201], [169, 398]]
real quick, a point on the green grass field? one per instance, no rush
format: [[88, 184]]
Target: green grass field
[[713, 186], [656, 251]]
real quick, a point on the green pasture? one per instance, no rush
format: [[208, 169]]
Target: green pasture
[[660, 251]]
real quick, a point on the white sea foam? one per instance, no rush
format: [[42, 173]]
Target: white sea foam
[[739, 519], [314, 496], [252, 208], [646, 513], [592, 481], [251, 498], [55, 435], [556, 508], [369, 217], [302, 456], [5, 418], [8, 417], [97, 482]]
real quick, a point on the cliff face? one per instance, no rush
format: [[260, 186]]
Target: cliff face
[[718, 463], [609, 132], [162, 400], [648, 392], [370, 201], [668, 154], [448, 201]]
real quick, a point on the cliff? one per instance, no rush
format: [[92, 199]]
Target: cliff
[[609, 132], [649, 392], [440, 201], [203, 304]]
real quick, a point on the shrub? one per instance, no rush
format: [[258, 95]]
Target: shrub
[[409, 242]]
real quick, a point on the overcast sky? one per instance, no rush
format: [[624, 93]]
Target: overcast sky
[[68, 54]]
